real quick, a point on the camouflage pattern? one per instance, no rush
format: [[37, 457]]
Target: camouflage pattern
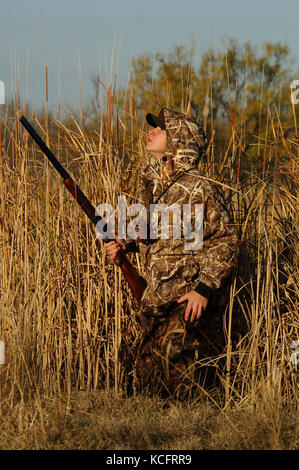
[[169, 342], [165, 359], [169, 269], [166, 354]]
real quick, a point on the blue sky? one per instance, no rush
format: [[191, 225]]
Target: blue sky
[[57, 32]]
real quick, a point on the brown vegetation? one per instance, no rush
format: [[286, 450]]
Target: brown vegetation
[[64, 310]]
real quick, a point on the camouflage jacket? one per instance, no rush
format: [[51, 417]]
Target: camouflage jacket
[[169, 268]]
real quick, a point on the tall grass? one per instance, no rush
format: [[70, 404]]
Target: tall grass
[[65, 311]]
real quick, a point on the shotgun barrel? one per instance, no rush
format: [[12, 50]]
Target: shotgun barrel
[[74, 189]]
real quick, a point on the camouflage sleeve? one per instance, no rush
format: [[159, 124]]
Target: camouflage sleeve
[[217, 255]]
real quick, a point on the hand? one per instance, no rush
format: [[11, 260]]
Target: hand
[[196, 305], [113, 247]]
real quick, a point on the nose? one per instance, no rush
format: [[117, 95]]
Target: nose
[[154, 131]]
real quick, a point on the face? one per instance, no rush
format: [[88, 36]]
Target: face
[[156, 144]]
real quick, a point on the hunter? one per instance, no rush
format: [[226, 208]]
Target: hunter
[[183, 286]]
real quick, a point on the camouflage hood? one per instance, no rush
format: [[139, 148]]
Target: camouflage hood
[[185, 151]]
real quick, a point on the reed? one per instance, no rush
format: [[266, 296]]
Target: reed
[[65, 312]]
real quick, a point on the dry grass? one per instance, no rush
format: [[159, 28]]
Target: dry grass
[[64, 309], [101, 420]]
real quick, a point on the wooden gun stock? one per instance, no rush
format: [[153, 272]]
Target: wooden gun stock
[[136, 283]]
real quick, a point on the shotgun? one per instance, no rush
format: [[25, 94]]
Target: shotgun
[[136, 283]]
